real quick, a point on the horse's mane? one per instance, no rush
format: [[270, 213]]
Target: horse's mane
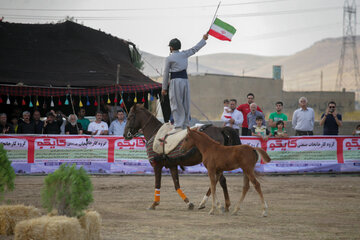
[[205, 136], [144, 110]]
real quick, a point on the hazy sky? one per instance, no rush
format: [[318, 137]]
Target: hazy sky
[[264, 27]]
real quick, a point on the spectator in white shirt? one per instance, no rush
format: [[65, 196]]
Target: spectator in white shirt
[[236, 119], [303, 119], [118, 125], [98, 127]]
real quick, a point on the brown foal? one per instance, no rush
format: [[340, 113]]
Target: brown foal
[[218, 158]]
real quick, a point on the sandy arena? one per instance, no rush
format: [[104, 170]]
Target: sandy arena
[[300, 207]]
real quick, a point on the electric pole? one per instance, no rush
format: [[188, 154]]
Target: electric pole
[[349, 43]]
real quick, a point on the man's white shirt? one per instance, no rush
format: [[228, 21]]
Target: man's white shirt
[[237, 116], [303, 120], [102, 126]]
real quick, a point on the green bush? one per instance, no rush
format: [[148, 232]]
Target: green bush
[[7, 173], [68, 190]]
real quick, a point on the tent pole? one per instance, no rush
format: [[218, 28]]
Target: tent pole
[[117, 81], [72, 105], [98, 106], [117, 74]]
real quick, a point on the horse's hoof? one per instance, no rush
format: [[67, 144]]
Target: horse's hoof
[[152, 207], [264, 214], [190, 206], [212, 212], [201, 207]]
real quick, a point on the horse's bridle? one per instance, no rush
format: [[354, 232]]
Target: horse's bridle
[[131, 127]]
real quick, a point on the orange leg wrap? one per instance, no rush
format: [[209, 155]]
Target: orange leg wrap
[[157, 195], [181, 194]]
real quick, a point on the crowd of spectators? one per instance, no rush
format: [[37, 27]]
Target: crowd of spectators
[[251, 119], [248, 117], [58, 123]]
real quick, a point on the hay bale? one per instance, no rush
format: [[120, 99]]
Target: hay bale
[[10, 215], [49, 228], [91, 223]]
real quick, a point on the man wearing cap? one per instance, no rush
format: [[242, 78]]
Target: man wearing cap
[[176, 79]]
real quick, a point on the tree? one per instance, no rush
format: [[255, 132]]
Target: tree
[[7, 173], [69, 190], [136, 57]]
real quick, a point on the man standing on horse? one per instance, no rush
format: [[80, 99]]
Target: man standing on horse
[[179, 92]]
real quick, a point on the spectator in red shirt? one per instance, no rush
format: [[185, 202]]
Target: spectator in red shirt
[[245, 109]]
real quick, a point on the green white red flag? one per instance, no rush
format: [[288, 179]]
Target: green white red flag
[[221, 30]]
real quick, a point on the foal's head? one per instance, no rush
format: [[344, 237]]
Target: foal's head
[[189, 141]]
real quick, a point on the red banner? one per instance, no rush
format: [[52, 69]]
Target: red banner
[[115, 154]]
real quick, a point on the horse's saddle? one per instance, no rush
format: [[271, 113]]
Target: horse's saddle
[[164, 143]]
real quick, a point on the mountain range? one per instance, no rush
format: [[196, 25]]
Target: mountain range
[[301, 71]]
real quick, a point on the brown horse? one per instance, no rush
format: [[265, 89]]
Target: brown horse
[[218, 158], [140, 118]]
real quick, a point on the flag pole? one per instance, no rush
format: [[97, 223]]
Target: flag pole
[[214, 15]]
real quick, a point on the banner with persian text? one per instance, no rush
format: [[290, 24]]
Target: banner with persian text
[[109, 154]]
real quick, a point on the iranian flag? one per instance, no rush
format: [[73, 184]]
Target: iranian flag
[[221, 30]]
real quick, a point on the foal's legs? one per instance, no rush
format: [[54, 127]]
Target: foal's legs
[[214, 178], [226, 194], [246, 187], [175, 177], [157, 171], [205, 199], [258, 189]]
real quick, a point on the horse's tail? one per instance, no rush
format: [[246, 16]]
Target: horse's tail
[[261, 152]]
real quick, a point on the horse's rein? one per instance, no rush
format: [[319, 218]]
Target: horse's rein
[[146, 123]]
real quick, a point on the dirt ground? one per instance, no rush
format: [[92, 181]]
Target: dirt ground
[[300, 207]]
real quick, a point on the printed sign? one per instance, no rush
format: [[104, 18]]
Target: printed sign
[[110, 154], [17, 149]]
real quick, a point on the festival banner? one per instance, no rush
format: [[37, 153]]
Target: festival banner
[[109, 154], [351, 149], [62, 149], [130, 157], [254, 142], [302, 154], [302, 149], [351, 154], [17, 149]]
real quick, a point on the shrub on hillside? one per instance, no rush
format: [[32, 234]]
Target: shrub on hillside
[[7, 173], [68, 190]]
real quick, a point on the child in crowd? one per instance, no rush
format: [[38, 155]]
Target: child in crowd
[[356, 132], [227, 110], [280, 131], [259, 129]]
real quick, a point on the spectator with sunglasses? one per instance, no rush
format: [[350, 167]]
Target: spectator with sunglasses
[[331, 120]]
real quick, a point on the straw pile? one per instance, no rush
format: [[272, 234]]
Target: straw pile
[[49, 228], [10, 215], [91, 223]]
